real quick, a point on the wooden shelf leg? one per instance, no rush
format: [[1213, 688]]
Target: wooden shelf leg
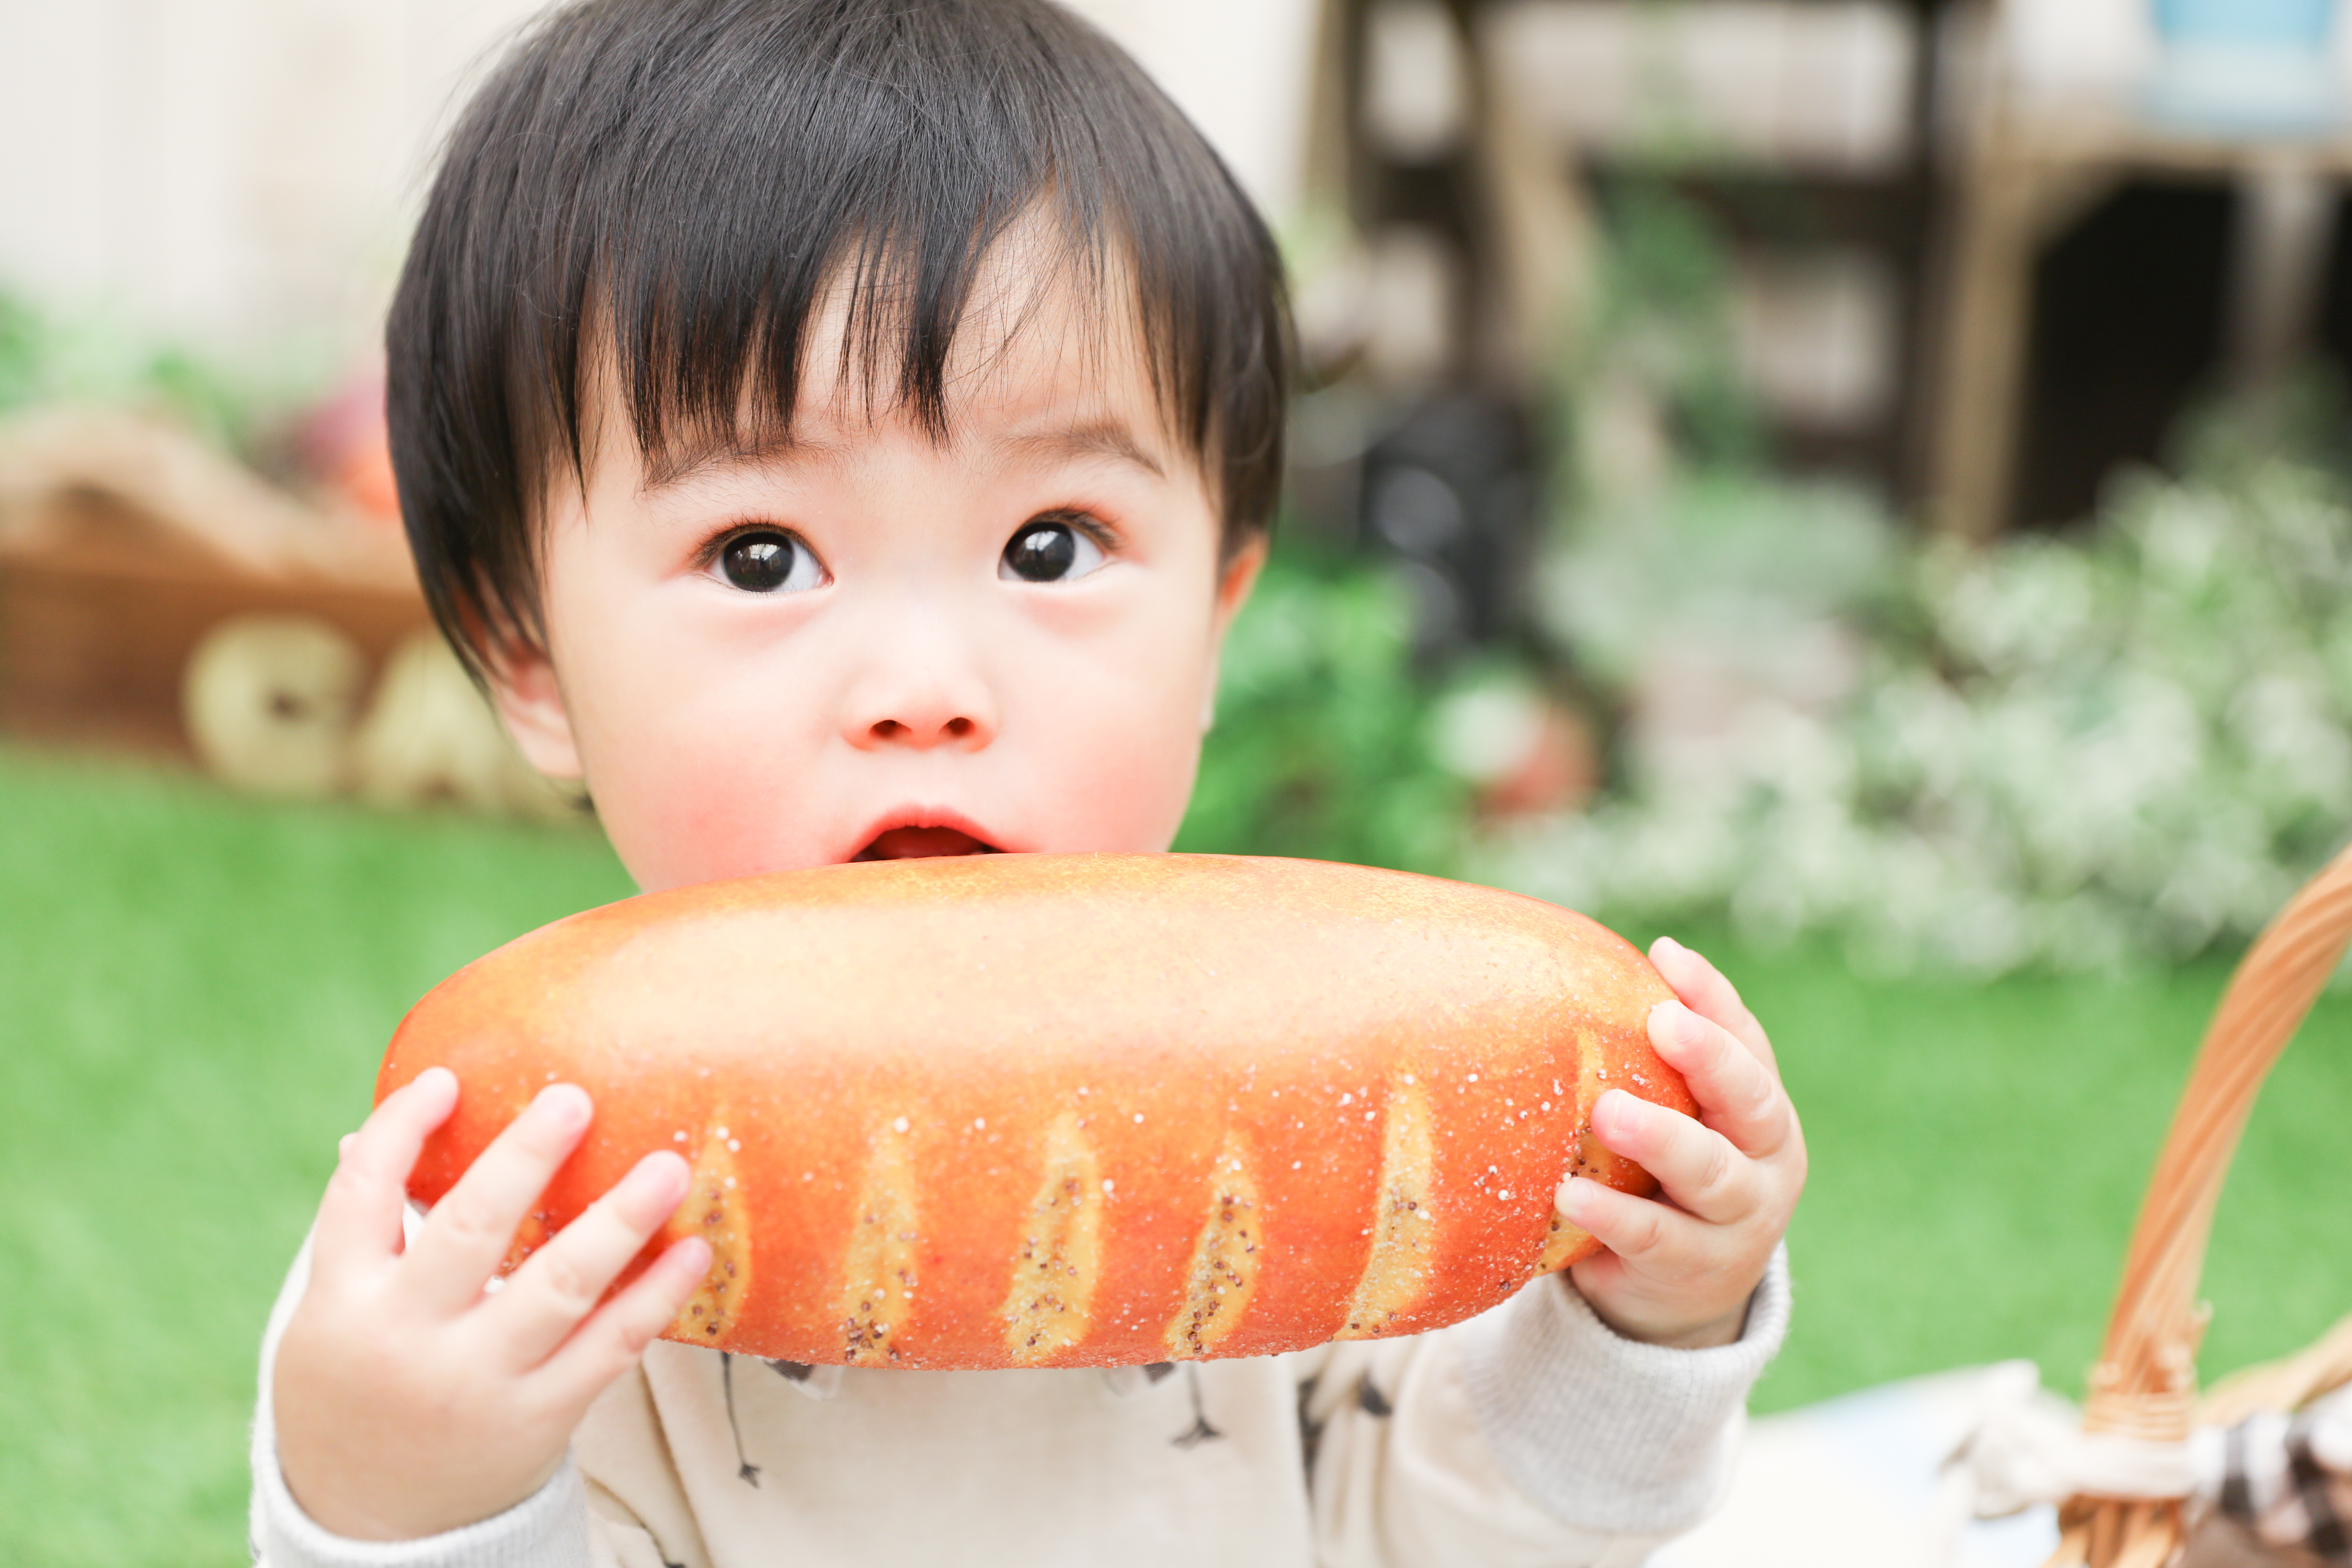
[[2285, 210], [1983, 336]]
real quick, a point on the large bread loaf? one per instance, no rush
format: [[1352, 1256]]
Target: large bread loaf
[[1075, 1109]]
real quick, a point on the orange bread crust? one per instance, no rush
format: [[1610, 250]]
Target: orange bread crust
[[1067, 1110]]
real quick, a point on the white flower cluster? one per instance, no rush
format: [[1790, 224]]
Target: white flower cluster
[[2078, 754]]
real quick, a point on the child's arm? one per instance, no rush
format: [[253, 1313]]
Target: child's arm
[[408, 1399], [1679, 1270]]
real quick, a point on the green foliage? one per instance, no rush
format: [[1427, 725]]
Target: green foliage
[[1717, 557], [99, 358], [203, 395], [2121, 748], [1661, 322], [23, 351], [1321, 746]]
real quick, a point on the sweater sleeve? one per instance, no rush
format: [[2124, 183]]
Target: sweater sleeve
[[1532, 1434], [1607, 1431], [552, 1527]]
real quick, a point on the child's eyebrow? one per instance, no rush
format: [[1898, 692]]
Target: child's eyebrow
[[1107, 437], [683, 465], [1090, 438]]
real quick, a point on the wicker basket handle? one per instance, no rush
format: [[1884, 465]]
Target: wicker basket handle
[[2288, 1384], [2146, 1381]]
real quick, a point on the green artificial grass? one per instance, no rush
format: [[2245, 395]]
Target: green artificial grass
[[196, 989], [1979, 1152]]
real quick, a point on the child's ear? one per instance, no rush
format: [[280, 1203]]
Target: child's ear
[[1238, 577], [1234, 582], [530, 704]]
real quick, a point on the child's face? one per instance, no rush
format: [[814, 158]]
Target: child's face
[[873, 643]]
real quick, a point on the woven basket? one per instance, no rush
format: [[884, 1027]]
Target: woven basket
[[2145, 1384]]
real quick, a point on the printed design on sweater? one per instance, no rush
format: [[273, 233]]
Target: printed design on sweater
[[1200, 1431], [745, 1470], [1051, 1304], [1368, 1399], [1310, 1430]]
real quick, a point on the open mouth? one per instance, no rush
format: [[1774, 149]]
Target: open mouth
[[922, 842]]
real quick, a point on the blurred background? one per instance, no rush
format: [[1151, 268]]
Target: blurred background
[[1864, 484]]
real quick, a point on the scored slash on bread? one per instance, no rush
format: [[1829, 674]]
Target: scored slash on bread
[[1067, 1110]]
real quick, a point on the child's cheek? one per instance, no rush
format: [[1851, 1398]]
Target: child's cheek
[[1132, 799], [692, 791], [1127, 777], [695, 830]]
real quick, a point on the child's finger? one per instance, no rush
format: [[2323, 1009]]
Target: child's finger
[[1705, 991], [471, 1228], [359, 1218], [545, 1299], [1736, 1092], [609, 1342], [1697, 1167], [1631, 1228]]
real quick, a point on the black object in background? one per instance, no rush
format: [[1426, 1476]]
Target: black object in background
[[1450, 492], [2130, 307]]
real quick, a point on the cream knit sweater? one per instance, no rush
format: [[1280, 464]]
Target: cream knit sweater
[[1531, 1436]]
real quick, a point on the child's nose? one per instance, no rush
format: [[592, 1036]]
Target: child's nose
[[920, 703], [923, 734]]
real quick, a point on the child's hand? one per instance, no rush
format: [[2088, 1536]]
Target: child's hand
[[407, 1400], [1680, 1269]]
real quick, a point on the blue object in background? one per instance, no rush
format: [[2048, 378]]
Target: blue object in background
[[2300, 25], [2245, 66]]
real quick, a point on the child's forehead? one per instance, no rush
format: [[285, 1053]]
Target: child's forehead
[[1071, 437], [1046, 364]]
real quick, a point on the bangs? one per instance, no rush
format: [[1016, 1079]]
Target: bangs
[[658, 198], [893, 335]]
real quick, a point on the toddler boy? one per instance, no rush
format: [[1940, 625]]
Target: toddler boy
[[839, 429]]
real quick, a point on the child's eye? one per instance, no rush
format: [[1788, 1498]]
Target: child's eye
[[1048, 551], [768, 560]]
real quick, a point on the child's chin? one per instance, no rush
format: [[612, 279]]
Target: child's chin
[[923, 844]]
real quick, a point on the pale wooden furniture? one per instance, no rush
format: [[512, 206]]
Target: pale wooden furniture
[[2030, 162]]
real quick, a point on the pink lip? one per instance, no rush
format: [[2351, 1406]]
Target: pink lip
[[918, 833]]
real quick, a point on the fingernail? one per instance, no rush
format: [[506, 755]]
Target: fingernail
[[436, 1077], [1668, 944], [343, 1146], [1608, 1120], [1573, 1199], [1682, 1024], [693, 1257], [663, 1175], [563, 1105]]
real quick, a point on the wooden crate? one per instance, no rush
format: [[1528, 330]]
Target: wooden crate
[[95, 633]]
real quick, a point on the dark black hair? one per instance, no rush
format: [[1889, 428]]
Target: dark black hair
[[662, 189]]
